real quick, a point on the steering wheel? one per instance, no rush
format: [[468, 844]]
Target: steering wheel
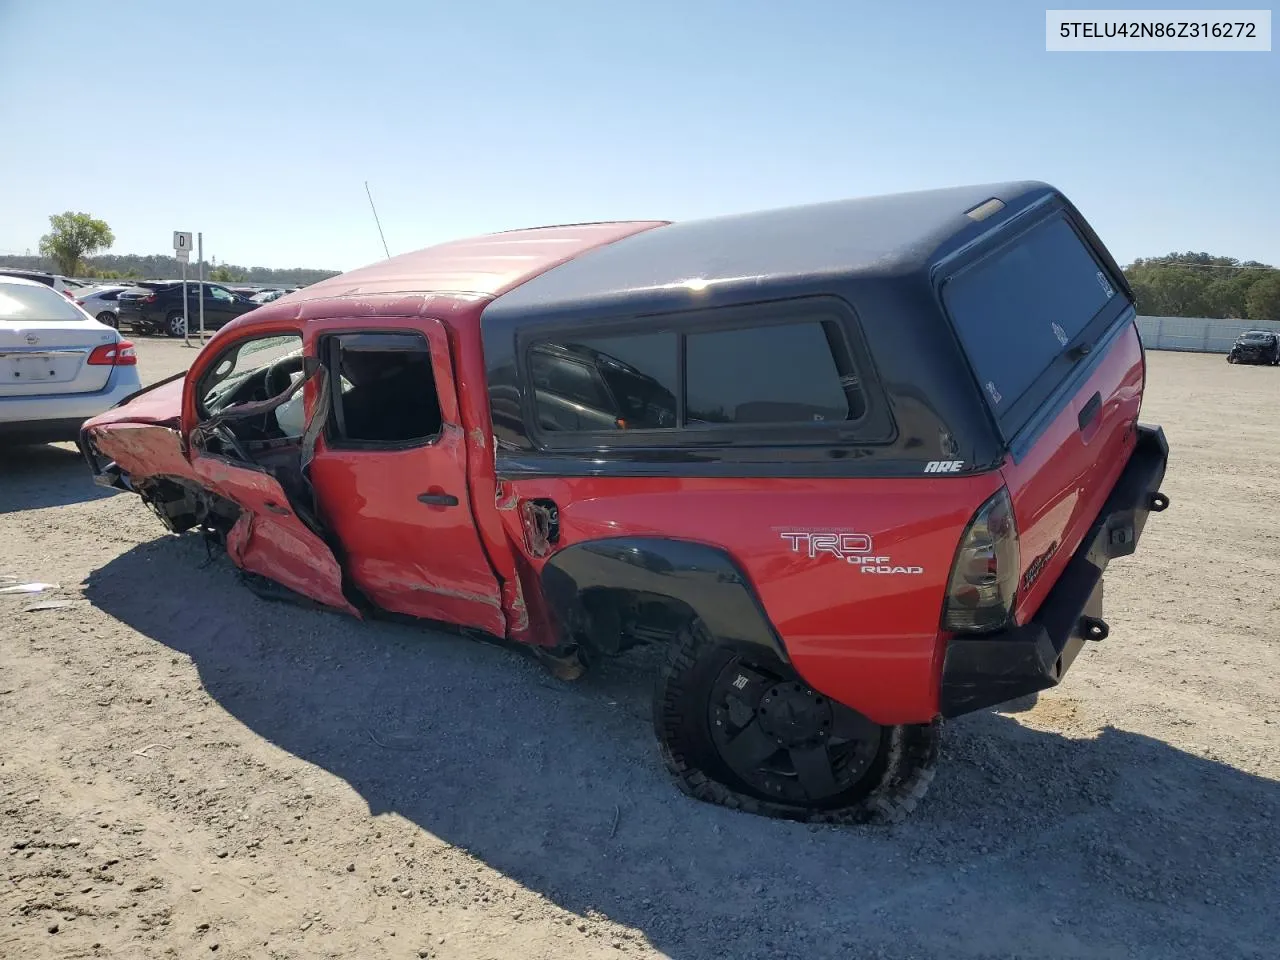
[[229, 438], [279, 377]]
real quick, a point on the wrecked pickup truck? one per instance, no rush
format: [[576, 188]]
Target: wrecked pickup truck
[[859, 465]]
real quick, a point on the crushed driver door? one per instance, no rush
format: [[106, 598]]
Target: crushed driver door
[[270, 538]]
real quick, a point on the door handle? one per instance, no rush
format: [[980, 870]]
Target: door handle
[[438, 499], [1089, 412]]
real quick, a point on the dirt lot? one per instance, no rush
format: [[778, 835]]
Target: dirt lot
[[187, 768]]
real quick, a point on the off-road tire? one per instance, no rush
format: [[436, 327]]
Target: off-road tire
[[890, 791]]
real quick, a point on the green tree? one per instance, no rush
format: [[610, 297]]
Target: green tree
[[72, 237], [1195, 285], [225, 274], [1263, 301]]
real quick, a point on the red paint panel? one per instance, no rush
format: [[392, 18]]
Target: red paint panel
[[1062, 483], [473, 409], [409, 557], [142, 450], [269, 539], [472, 268], [489, 265], [161, 405], [869, 640]]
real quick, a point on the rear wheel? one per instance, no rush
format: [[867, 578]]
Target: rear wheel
[[109, 318], [745, 731], [175, 324]]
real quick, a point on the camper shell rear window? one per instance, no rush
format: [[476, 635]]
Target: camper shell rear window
[[1026, 312]]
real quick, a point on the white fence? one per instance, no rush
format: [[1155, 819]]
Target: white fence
[[1197, 333]]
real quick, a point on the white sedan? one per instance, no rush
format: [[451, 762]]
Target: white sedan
[[58, 365]]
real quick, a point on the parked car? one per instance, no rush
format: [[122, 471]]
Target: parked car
[[101, 303], [156, 306], [873, 459], [58, 365], [265, 296], [1255, 346], [64, 285]]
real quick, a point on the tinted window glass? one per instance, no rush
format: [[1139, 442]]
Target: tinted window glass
[[1018, 310], [606, 383], [785, 373], [386, 391]]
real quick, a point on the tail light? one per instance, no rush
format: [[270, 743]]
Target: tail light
[[120, 354], [984, 575], [80, 303], [149, 298]]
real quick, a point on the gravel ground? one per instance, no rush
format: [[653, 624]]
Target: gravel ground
[[189, 769]]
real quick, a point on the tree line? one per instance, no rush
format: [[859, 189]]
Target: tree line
[[135, 267], [1203, 285], [74, 237]]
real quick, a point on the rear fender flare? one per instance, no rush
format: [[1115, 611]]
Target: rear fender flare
[[704, 578]]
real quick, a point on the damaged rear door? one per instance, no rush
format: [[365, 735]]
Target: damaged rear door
[[390, 474], [249, 444]]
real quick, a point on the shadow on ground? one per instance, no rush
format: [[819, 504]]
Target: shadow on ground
[[1031, 843], [45, 475]]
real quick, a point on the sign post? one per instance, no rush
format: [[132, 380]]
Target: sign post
[[200, 259], [182, 250]]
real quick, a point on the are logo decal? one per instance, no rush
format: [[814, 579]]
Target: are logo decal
[[853, 548], [1105, 284], [1060, 334], [943, 466]]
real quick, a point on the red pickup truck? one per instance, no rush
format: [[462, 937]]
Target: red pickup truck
[[859, 465]]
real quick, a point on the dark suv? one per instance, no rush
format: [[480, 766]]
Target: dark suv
[[155, 306], [1255, 346]]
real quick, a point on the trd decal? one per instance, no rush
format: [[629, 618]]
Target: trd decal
[[1036, 566], [853, 548], [943, 466]]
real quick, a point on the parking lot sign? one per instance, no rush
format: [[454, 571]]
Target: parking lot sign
[[182, 245]]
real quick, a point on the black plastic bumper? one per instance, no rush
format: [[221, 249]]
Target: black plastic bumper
[[982, 671]]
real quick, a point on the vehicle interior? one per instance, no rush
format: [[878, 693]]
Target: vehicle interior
[[251, 400]]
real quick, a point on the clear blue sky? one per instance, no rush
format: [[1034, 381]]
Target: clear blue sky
[[257, 122]]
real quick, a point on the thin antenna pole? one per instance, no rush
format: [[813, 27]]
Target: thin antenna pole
[[376, 220]]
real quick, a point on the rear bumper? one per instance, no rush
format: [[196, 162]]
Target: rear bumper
[[133, 317], [57, 417], [983, 671]]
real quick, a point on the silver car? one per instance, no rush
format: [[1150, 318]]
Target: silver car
[[58, 365], [101, 303]]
